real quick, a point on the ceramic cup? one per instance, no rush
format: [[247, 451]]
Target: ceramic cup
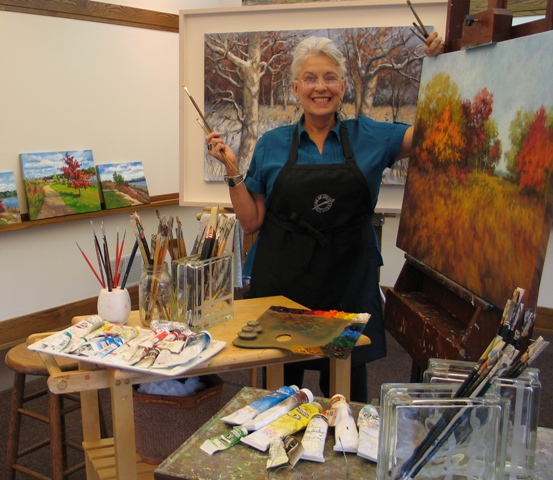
[[114, 306]]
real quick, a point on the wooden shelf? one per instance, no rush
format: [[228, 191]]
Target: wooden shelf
[[158, 201]]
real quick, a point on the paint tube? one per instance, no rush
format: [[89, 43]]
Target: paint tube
[[287, 424], [368, 422], [64, 340], [284, 452], [345, 430], [224, 441], [256, 407], [314, 439], [147, 360], [195, 345], [281, 408]]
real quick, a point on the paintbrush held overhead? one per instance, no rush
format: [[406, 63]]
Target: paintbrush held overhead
[[207, 129]]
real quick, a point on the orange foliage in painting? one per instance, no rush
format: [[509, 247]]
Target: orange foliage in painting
[[535, 160], [482, 230]]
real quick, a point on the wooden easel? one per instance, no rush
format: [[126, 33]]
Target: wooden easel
[[490, 26], [430, 315]]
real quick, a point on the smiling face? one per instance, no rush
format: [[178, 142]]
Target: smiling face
[[319, 87]]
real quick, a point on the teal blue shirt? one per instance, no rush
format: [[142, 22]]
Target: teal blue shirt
[[375, 146]]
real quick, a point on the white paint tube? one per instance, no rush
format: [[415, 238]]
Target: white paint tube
[[368, 422], [314, 438], [64, 340], [303, 396], [194, 346], [224, 441], [345, 430], [287, 424], [256, 407]]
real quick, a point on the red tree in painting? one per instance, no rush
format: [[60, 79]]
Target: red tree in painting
[[2, 208], [535, 160], [77, 178], [482, 147]]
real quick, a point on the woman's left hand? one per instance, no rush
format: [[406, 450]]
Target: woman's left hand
[[434, 45]]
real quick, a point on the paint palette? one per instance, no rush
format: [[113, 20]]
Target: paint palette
[[331, 334]]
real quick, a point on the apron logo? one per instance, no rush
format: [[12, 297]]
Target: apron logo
[[323, 203]]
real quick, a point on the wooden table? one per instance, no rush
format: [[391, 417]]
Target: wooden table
[[188, 462], [116, 458]]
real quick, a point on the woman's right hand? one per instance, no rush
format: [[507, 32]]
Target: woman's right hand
[[217, 148]]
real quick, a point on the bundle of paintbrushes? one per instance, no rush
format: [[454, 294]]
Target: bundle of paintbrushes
[[155, 288], [106, 276], [212, 240], [505, 357]]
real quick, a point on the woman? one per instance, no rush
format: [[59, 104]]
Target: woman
[[310, 191]]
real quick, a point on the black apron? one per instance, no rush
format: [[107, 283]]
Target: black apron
[[317, 244]]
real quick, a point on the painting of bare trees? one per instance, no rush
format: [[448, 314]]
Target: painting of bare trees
[[248, 86]]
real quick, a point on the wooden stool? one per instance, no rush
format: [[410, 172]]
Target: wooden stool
[[26, 362]]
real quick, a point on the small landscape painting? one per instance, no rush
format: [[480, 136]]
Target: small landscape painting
[[478, 203], [123, 184], [9, 203], [60, 183]]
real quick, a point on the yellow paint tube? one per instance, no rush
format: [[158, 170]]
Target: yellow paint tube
[[288, 424]]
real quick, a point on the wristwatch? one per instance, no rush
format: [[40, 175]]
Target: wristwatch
[[233, 180]]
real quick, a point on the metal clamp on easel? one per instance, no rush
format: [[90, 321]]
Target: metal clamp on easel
[[490, 26]]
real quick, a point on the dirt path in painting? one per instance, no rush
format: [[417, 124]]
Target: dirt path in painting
[[134, 201], [54, 205]]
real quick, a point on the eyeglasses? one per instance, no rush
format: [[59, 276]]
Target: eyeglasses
[[329, 82]]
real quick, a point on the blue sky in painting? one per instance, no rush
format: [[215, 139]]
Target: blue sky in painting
[[129, 171], [517, 72], [45, 164], [7, 181]]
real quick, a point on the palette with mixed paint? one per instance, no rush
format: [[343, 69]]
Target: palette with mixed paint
[[329, 333]]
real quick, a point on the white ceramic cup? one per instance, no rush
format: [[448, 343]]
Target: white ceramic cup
[[114, 306]]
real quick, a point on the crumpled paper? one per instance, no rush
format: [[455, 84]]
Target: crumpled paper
[[176, 388]]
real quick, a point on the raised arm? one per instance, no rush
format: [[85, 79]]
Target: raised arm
[[249, 207]]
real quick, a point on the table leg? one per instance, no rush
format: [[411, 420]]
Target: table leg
[[123, 425], [275, 376], [340, 376]]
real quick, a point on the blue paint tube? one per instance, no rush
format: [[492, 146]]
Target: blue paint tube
[[256, 407]]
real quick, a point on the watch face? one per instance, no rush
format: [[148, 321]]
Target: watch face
[[231, 183]]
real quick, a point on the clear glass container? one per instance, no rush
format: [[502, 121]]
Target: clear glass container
[[522, 427], [155, 294], [467, 437]]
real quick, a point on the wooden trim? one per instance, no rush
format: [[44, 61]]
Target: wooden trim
[[16, 330], [544, 320], [158, 201], [96, 12]]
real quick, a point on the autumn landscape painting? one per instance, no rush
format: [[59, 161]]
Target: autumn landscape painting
[[478, 198], [60, 183], [248, 89]]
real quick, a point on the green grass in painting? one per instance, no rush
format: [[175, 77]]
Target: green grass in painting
[[114, 200], [87, 202]]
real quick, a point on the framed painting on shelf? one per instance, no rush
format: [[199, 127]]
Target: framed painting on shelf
[[9, 203], [60, 183], [122, 184]]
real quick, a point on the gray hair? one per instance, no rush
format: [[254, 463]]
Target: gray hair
[[316, 46]]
